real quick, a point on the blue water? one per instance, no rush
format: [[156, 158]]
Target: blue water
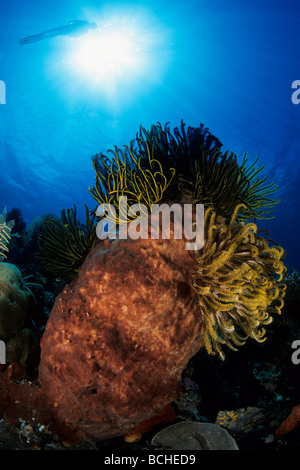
[[228, 64]]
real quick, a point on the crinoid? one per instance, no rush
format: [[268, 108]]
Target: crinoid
[[237, 282], [217, 180], [209, 176], [5, 231], [181, 147], [65, 243], [128, 174], [163, 164]]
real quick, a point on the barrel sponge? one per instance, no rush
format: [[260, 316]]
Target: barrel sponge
[[120, 335]]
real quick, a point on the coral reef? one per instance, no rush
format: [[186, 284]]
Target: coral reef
[[241, 420], [136, 311], [238, 277], [187, 404], [235, 260], [261, 376]]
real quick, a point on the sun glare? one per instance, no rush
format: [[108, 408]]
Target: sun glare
[[118, 59], [107, 55]]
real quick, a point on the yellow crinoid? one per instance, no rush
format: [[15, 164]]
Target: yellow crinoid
[[141, 180], [237, 282], [5, 234]]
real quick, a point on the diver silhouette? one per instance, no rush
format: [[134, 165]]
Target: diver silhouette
[[73, 29]]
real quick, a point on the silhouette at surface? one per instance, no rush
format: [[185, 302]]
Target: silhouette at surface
[[73, 29]]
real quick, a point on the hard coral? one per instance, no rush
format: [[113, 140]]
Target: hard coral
[[119, 337], [14, 299]]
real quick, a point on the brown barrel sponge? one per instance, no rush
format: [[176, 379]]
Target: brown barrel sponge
[[120, 335]]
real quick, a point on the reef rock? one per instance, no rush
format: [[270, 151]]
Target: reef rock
[[120, 335], [189, 435]]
